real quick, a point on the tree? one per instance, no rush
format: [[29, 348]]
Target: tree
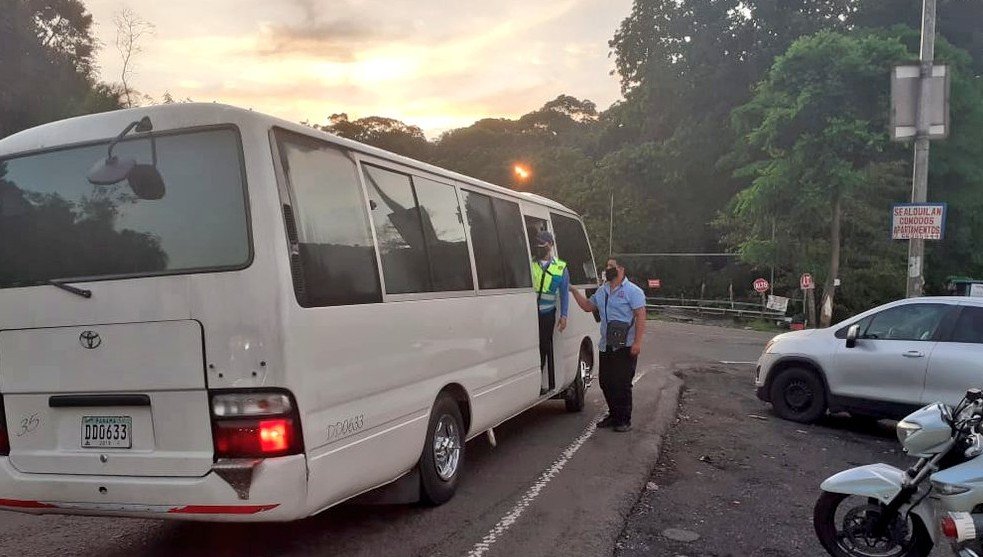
[[46, 60], [814, 147], [386, 133], [131, 29], [958, 21]]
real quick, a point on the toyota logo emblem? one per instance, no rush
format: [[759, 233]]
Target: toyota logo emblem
[[90, 339]]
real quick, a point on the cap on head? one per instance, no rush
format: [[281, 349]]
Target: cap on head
[[544, 238]]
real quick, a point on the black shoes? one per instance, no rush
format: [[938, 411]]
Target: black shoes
[[608, 422]]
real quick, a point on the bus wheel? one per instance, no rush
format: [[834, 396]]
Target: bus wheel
[[443, 453], [576, 395]]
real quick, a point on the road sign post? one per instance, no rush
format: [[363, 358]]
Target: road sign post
[[761, 286], [923, 129]]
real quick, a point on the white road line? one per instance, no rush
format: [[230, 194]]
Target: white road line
[[738, 363], [527, 499]]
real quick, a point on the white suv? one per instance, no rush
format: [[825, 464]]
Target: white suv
[[882, 363]]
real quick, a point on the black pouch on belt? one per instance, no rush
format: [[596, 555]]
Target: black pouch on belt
[[617, 334]]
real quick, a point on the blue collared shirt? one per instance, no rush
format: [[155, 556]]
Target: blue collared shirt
[[622, 302]]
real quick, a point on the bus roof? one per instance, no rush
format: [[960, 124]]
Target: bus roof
[[106, 125]]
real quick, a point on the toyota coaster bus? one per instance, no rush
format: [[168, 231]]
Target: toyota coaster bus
[[211, 314]]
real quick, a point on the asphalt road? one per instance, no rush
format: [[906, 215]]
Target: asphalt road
[[553, 486], [743, 480]]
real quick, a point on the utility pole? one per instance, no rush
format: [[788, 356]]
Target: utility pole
[[611, 229], [773, 255], [919, 187]]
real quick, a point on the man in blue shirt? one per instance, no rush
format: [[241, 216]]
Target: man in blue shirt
[[551, 280], [621, 305]]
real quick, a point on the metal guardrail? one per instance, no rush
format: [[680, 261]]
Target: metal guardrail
[[715, 307]]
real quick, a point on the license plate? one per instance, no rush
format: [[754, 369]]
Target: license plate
[[107, 432]]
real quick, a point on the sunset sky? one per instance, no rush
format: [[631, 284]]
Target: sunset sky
[[435, 64]]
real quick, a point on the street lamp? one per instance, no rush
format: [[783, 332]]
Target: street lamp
[[522, 172]]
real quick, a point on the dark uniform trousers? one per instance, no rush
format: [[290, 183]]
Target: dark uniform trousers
[[547, 322], [616, 374]]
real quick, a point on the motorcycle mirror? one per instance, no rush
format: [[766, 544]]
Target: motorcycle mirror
[[974, 395], [851, 336]]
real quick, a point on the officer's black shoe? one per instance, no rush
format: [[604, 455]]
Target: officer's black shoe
[[608, 421], [622, 428]]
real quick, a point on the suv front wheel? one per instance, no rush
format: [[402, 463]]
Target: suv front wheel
[[797, 394]]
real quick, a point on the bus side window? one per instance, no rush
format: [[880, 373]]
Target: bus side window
[[484, 237], [337, 256], [512, 239], [420, 233], [399, 231], [450, 266], [572, 247]]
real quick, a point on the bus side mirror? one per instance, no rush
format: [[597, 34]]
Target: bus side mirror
[[851, 336], [146, 182]]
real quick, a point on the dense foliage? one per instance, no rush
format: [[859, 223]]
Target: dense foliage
[[46, 60]]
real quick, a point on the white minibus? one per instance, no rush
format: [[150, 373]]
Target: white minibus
[[211, 314]]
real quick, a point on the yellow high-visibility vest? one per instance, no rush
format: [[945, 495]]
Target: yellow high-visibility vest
[[543, 280]]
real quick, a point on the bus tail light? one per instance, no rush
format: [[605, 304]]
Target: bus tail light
[[4, 437], [255, 424]]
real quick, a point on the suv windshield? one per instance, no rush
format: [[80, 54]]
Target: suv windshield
[[54, 224]]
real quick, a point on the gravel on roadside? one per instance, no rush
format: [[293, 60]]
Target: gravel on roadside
[[734, 480]]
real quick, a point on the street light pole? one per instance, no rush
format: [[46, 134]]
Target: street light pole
[[919, 187]]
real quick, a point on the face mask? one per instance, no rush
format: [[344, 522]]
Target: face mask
[[542, 252], [611, 274]]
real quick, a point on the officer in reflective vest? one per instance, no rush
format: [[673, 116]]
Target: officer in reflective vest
[[551, 280]]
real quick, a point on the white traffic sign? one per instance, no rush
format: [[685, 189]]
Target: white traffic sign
[[761, 286], [913, 221], [777, 303]]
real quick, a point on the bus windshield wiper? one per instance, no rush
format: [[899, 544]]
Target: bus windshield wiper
[[69, 288]]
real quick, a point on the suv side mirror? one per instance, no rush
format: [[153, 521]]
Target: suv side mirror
[[851, 336]]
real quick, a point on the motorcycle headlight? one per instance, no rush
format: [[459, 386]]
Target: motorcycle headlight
[[949, 489], [906, 430]]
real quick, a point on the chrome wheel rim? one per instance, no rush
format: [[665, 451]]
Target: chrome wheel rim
[[585, 373], [446, 447]]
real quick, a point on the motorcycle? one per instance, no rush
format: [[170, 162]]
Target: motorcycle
[[882, 511]]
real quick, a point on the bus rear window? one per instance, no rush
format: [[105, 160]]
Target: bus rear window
[[54, 224]]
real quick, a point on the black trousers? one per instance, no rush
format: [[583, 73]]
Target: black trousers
[[547, 322], [616, 374]]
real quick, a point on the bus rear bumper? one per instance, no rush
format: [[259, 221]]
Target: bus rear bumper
[[277, 493]]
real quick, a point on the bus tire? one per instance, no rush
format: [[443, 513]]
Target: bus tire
[[576, 395], [442, 460]]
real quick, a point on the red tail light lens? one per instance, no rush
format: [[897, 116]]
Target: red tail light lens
[[4, 438], [255, 425], [274, 435], [949, 529], [255, 438]]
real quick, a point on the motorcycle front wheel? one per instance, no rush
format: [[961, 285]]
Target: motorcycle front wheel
[[845, 526]]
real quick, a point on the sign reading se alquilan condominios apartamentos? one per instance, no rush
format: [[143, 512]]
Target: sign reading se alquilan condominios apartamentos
[[913, 221]]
